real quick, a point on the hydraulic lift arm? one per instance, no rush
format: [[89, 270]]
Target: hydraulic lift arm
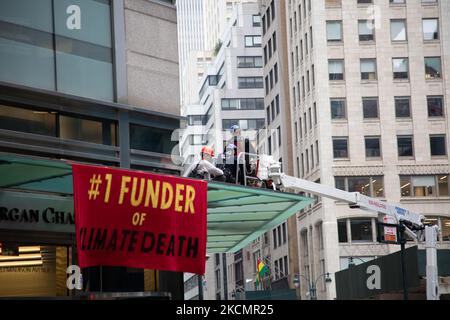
[[412, 222]]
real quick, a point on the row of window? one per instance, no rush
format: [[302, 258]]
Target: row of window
[[271, 79], [253, 41], [400, 69], [270, 48], [249, 62], [309, 160], [405, 146], [370, 107], [303, 122], [244, 124], [398, 30], [268, 17], [279, 235], [281, 268], [271, 144], [250, 83], [424, 186], [305, 86], [273, 110], [338, 3], [363, 230], [86, 129], [243, 104], [299, 15]]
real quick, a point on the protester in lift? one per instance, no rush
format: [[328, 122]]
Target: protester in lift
[[206, 168]]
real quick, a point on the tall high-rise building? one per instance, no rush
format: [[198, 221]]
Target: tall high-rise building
[[276, 139], [231, 91], [369, 96]]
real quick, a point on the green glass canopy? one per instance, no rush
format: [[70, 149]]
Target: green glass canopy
[[237, 215]]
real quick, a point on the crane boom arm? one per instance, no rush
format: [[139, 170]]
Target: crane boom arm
[[354, 199]]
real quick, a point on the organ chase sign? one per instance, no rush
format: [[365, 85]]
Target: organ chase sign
[[34, 212], [139, 220]]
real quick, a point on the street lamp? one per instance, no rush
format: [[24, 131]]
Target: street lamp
[[312, 285]]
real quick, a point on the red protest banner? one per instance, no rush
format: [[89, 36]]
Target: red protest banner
[[139, 220]]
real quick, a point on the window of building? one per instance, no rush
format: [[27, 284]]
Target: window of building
[[338, 109], [263, 21], [425, 186], [370, 108], [244, 124], [438, 145], [368, 69], [334, 31], [435, 106], [430, 29], [250, 83], [249, 62], [398, 30], [265, 55], [274, 231], [271, 79], [333, 3], [433, 68], [28, 120], [275, 72], [38, 48], [269, 143], [336, 69], [373, 147], [359, 184], [364, 1], [361, 230], [366, 30], [418, 186], [405, 146], [277, 104], [256, 19], [443, 185], [279, 136], [52, 123], [342, 231], [253, 41], [272, 107], [272, 8], [286, 266], [369, 186], [400, 68], [269, 47], [402, 107], [274, 41], [242, 104], [151, 139], [284, 233], [340, 147], [396, 1]]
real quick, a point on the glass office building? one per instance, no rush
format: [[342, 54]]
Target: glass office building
[[60, 77]]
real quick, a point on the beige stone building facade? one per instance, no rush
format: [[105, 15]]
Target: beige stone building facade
[[369, 96]]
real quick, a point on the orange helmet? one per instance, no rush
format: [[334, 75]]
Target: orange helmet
[[208, 150]]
